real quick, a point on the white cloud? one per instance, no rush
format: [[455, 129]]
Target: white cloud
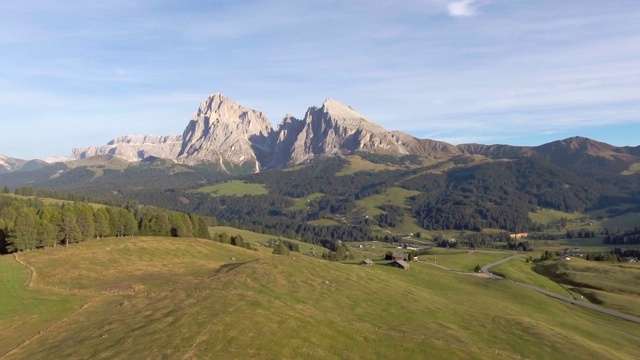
[[463, 8]]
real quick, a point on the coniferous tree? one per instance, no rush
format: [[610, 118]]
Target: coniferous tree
[[101, 221], [69, 231], [24, 234]]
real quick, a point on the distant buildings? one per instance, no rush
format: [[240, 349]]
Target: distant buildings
[[400, 264]]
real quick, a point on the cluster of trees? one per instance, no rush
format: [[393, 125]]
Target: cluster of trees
[[340, 253], [581, 234], [235, 240], [393, 215], [278, 245], [30, 223], [621, 240], [477, 240]]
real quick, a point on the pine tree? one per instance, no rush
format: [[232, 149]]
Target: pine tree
[[69, 231], [24, 234], [101, 221], [84, 219]]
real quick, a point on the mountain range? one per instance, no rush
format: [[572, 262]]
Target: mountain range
[[236, 139], [230, 135]]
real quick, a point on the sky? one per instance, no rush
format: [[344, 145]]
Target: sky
[[518, 72]]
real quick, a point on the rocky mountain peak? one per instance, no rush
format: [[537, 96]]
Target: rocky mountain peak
[[348, 116], [224, 132]]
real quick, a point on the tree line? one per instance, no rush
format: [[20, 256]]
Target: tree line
[[31, 223]]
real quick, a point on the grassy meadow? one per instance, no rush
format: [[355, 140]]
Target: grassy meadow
[[191, 298], [234, 187]]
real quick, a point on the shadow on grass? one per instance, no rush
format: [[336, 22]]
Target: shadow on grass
[[223, 269]]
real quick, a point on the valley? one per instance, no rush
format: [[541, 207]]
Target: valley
[[236, 240]]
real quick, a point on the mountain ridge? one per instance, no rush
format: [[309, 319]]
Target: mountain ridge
[[228, 135]]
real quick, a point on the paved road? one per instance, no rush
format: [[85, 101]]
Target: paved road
[[485, 269]]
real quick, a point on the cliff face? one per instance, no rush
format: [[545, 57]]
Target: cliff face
[[222, 132], [331, 129], [225, 134], [228, 135], [135, 147]]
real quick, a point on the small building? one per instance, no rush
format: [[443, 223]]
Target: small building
[[366, 262], [631, 260], [518, 236], [400, 264]]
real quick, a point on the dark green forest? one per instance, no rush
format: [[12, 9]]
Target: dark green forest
[[30, 223], [469, 196]]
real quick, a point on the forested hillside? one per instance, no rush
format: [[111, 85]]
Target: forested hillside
[[27, 223], [468, 192]]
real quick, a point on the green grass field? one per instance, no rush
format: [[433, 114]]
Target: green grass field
[[261, 240], [301, 203], [324, 222], [356, 163], [521, 271], [633, 169], [463, 260], [547, 216], [186, 298], [234, 187], [24, 312]]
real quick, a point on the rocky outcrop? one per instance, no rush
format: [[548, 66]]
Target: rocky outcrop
[[226, 133], [331, 129], [135, 147]]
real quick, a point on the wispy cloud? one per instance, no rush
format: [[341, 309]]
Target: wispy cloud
[[463, 8]]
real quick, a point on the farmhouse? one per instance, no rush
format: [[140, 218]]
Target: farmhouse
[[400, 264], [366, 262]]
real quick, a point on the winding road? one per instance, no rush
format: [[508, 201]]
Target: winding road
[[486, 268]]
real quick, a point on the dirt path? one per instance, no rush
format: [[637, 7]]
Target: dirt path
[[486, 270], [32, 271]]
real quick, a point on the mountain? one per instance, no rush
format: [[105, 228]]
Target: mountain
[[9, 164], [234, 139], [224, 132], [135, 147]]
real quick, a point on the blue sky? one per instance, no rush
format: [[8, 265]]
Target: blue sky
[[520, 72]]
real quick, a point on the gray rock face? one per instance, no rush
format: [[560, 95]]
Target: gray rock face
[[135, 147], [223, 132], [331, 129]]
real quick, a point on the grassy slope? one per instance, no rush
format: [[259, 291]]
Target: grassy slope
[[519, 270], [261, 240], [23, 313], [301, 203], [463, 260], [234, 187], [611, 285], [392, 196], [184, 301], [546, 216], [633, 169]]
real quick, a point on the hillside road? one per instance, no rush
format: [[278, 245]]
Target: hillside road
[[486, 268]]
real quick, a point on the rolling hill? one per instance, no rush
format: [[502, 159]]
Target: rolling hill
[[193, 298]]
